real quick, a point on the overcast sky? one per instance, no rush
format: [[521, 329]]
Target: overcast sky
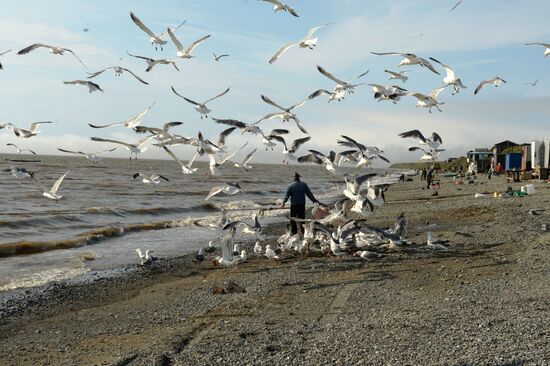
[[480, 40]]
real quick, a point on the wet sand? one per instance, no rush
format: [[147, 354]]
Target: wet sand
[[484, 302]]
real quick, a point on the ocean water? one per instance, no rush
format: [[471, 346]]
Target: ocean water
[[105, 214]]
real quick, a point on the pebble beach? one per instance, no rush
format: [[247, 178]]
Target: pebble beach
[[485, 301]]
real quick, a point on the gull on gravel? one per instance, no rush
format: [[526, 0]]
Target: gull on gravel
[[306, 42], [185, 168], [258, 248], [129, 123], [51, 193], [496, 81], [201, 107], [279, 6], [450, 78], [53, 50], [367, 255], [437, 244], [156, 40], [150, 179], [94, 157], [185, 53], [152, 62], [229, 189], [545, 45], [24, 133], [92, 87], [3, 53], [394, 75], [285, 114], [134, 149], [288, 154], [270, 253], [339, 91], [119, 70], [410, 59], [20, 151], [146, 259]]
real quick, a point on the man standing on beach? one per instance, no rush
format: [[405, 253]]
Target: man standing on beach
[[297, 192]]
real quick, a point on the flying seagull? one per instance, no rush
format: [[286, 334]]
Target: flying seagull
[[53, 50], [244, 163], [151, 179], [201, 107], [152, 62], [394, 75], [450, 78], [496, 81], [93, 157], [546, 45], [534, 83], [456, 5], [288, 154], [229, 189], [3, 53], [216, 58], [146, 259], [341, 87], [25, 134], [306, 42], [19, 151], [156, 40], [92, 87], [185, 168], [185, 53], [134, 149], [429, 101], [246, 127], [433, 142], [410, 59], [19, 173], [279, 6], [52, 193], [119, 70], [130, 123], [285, 114], [267, 139]]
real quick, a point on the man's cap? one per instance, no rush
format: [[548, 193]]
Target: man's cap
[[296, 175]]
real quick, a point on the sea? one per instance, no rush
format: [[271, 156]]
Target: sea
[[105, 214]]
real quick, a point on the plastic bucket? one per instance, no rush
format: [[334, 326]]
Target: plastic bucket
[[529, 189]]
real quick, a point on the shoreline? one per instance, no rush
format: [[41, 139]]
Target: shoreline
[[483, 302]]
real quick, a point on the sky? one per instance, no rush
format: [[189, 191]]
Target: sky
[[479, 39]]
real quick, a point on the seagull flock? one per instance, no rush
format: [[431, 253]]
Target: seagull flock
[[344, 230]]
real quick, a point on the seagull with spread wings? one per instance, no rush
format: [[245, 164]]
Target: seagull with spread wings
[[341, 87], [24, 133], [20, 151], [429, 101], [285, 114], [51, 193], [496, 81], [92, 87], [450, 78], [134, 149], [244, 162], [288, 154], [279, 6], [3, 53], [156, 40], [545, 45], [218, 58], [185, 53], [245, 127], [201, 107], [229, 189], [152, 62], [93, 157], [267, 140], [129, 123], [306, 42], [410, 59], [185, 168], [119, 70], [150, 179], [395, 75], [53, 50]]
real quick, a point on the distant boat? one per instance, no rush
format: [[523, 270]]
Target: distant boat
[[23, 161]]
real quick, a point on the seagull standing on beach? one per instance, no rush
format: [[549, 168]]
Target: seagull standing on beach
[[185, 53], [306, 42], [92, 87], [279, 6], [496, 81], [201, 107], [52, 193], [437, 244], [146, 259], [3, 53], [53, 50], [155, 40], [270, 253]]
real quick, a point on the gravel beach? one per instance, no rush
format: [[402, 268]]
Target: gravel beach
[[485, 301]]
